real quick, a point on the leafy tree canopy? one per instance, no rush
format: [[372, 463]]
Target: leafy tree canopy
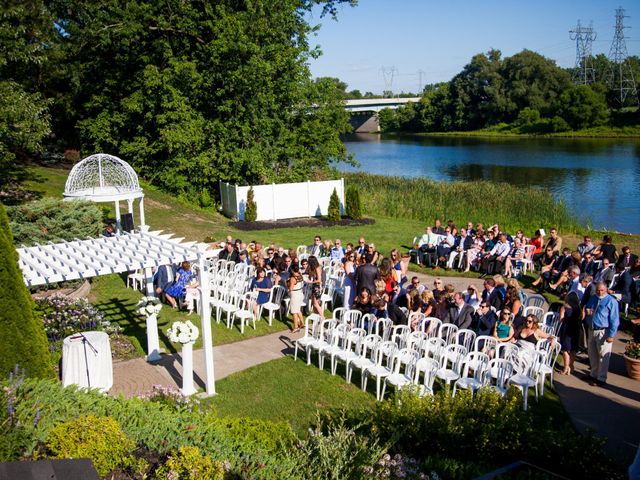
[[188, 92]]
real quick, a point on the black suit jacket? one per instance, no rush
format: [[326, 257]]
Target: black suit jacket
[[495, 299], [396, 315], [464, 319], [633, 258], [623, 286], [485, 323]]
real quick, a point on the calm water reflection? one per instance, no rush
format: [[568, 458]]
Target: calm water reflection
[[598, 178]]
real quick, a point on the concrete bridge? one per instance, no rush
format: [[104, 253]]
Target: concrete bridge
[[364, 111]]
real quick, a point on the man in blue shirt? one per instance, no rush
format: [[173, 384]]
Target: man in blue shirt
[[602, 323]]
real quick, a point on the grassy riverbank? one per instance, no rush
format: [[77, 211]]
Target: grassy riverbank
[[505, 130]]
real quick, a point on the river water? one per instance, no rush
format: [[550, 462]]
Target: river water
[[599, 179]]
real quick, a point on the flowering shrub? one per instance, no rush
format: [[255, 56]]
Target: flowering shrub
[[632, 350], [183, 332], [188, 463], [63, 316], [398, 466], [169, 396]]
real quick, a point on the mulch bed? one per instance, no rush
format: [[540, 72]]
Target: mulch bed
[[300, 222]]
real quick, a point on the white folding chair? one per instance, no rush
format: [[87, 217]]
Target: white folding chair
[[473, 373], [484, 343], [367, 350], [451, 363], [547, 366], [337, 339], [448, 332], [381, 365], [311, 334], [431, 326], [466, 338], [402, 365], [274, 304], [501, 370], [399, 335], [427, 368], [351, 348], [245, 312], [526, 365], [535, 301]]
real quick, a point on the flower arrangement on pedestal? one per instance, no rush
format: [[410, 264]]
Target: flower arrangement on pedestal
[[183, 332], [149, 307]]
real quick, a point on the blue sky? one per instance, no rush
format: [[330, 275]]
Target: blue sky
[[440, 37]]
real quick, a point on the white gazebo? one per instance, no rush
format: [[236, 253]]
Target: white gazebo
[[105, 178]]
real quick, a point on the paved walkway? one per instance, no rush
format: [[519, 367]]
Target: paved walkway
[[136, 376], [613, 412]]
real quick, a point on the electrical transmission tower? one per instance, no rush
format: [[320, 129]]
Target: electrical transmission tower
[[621, 76], [584, 73], [420, 73], [388, 73]]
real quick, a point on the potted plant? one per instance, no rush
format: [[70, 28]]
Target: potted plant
[[632, 359]]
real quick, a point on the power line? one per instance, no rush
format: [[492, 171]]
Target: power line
[[387, 74], [584, 73], [621, 77]]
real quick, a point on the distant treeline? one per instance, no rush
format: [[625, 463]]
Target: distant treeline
[[524, 93]]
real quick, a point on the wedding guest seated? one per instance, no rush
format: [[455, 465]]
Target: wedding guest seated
[[497, 256], [472, 297], [530, 333], [362, 302], [337, 252], [460, 313], [485, 319], [229, 253], [427, 245], [463, 243], [415, 285], [627, 259], [588, 265], [548, 261], [621, 288], [606, 273], [428, 303], [587, 246], [261, 284], [514, 258], [444, 247], [502, 329], [398, 295], [178, 289], [383, 309], [491, 295]]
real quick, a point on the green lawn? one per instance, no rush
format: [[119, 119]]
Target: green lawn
[[287, 390], [291, 391], [110, 295]]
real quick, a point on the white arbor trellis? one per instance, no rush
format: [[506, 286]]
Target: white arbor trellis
[[105, 178], [80, 259]]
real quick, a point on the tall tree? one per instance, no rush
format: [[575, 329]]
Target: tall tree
[[23, 342], [188, 92]]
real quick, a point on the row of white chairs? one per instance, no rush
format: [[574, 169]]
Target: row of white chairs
[[398, 357]]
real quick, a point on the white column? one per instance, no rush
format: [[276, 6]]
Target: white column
[[118, 224], [130, 208], [343, 206], [187, 369], [142, 220], [309, 198], [205, 315], [153, 342], [273, 200]]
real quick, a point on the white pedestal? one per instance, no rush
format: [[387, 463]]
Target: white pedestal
[[187, 369], [153, 342]]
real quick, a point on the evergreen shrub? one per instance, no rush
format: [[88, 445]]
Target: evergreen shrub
[[50, 219], [205, 198], [23, 339], [333, 212], [354, 206], [97, 438], [251, 209]]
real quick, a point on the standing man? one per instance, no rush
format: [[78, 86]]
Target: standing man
[[602, 319]]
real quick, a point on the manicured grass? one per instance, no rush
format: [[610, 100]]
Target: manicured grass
[[110, 295], [288, 390]]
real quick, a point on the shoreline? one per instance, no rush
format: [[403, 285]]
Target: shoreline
[[509, 135]]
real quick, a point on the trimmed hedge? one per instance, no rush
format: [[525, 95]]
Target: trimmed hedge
[[24, 342]]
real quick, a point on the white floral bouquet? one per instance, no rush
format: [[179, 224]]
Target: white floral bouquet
[[183, 332], [148, 306]]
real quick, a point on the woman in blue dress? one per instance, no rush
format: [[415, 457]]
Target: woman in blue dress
[[178, 289], [262, 284]]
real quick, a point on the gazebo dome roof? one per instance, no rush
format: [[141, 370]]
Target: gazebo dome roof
[[102, 178]]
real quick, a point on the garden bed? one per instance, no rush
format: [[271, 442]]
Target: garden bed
[[300, 222]]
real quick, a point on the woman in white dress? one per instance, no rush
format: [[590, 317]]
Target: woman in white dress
[[296, 296]]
